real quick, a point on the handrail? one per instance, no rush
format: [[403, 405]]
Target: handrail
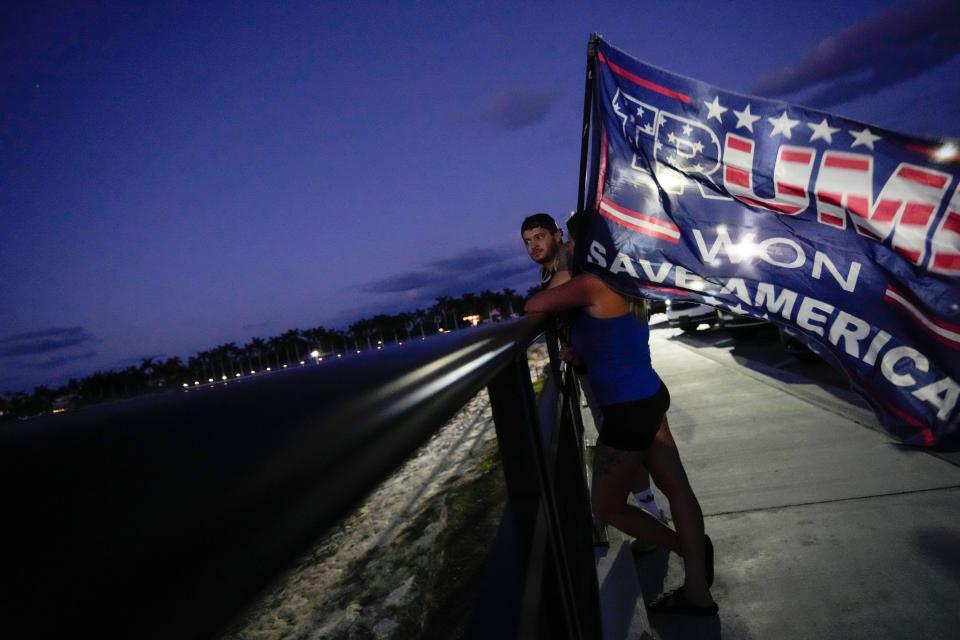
[[163, 516]]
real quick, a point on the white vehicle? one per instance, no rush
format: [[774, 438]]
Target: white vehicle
[[690, 315]]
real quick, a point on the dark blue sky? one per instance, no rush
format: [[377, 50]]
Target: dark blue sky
[[174, 177]]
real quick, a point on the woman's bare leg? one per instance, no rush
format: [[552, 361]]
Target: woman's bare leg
[[663, 461], [614, 476], [641, 479]]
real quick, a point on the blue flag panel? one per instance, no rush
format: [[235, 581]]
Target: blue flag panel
[[845, 233]]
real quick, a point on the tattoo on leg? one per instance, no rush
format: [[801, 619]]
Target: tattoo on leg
[[606, 460]]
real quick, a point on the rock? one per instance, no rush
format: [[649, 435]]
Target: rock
[[398, 595], [354, 609], [384, 627]]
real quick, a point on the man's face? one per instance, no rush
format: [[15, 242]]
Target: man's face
[[541, 244]]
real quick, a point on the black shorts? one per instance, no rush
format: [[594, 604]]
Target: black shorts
[[632, 426]]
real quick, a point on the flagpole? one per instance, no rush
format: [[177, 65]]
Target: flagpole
[[585, 131]]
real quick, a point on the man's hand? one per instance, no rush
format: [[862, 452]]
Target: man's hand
[[567, 354]]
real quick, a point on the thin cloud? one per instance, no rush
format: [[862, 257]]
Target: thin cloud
[[53, 363], [409, 281], [42, 342], [514, 109], [896, 45], [470, 270]]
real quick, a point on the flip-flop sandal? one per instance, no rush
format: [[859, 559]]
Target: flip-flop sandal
[[673, 603], [708, 543]]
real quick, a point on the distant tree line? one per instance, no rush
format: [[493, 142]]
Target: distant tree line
[[290, 348]]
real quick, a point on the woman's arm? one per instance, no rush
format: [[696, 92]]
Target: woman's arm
[[580, 291]]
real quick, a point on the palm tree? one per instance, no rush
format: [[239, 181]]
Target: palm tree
[[291, 339], [149, 369], [441, 308], [256, 348], [510, 295], [316, 339], [170, 371]]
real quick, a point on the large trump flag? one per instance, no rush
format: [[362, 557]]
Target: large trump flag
[[845, 233]]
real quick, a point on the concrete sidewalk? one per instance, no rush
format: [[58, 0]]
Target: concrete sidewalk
[[823, 526]]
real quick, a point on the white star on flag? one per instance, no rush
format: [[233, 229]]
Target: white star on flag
[[714, 110], [865, 137], [687, 130], [822, 131], [782, 125], [745, 119]]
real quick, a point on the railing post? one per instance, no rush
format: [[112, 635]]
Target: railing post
[[514, 414], [543, 466], [577, 518]]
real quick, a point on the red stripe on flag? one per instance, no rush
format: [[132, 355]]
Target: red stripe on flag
[[739, 144], [646, 84], [782, 208], [603, 171], [919, 322], [738, 177], [665, 289], [803, 157], [900, 413], [790, 190], [916, 214], [953, 222], [847, 163], [922, 177], [829, 197], [933, 334], [867, 232], [644, 230], [910, 254], [833, 221], [641, 216], [858, 205], [927, 151], [885, 210], [950, 261], [926, 435]]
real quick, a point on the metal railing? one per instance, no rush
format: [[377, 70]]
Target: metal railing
[[164, 516]]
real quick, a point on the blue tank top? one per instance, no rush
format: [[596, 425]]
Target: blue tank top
[[616, 352]]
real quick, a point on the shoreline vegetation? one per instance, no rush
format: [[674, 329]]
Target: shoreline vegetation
[[409, 560], [295, 347]]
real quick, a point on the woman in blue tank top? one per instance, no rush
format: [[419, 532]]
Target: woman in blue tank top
[[614, 345]]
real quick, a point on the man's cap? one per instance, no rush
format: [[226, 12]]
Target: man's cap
[[544, 220]]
